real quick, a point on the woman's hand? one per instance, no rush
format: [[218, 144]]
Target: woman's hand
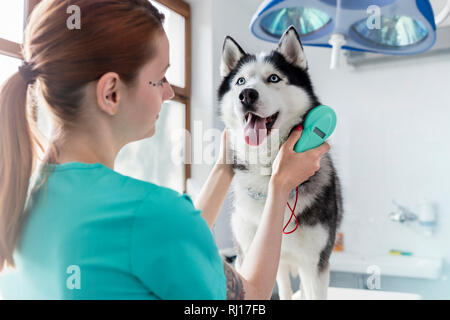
[[290, 168], [214, 191], [224, 160]]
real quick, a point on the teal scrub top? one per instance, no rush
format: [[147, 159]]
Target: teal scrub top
[[93, 233]]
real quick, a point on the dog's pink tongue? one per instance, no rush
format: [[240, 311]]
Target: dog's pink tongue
[[255, 130]]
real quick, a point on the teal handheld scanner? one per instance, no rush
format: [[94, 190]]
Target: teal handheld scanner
[[319, 125]]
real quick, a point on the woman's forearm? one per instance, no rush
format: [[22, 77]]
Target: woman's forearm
[[213, 192], [260, 264]]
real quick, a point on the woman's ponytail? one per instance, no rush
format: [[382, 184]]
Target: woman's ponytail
[[19, 138]]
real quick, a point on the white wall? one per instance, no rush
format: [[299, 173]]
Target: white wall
[[391, 141]]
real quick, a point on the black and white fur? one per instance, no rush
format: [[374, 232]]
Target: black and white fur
[[306, 251]]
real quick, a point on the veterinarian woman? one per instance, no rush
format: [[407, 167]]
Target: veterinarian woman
[[86, 231]]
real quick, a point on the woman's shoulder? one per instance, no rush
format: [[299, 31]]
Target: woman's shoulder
[[169, 215], [156, 194], [164, 200], [158, 199], [153, 198], [146, 189]]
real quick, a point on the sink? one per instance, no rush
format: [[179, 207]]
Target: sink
[[397, 266], [360, 294]]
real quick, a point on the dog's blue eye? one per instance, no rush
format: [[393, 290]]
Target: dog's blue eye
[[240, 81], [274, 78]]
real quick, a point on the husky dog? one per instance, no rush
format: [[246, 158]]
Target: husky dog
[[263, 98]]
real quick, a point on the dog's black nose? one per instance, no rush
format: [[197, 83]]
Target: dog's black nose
[[248, 97]]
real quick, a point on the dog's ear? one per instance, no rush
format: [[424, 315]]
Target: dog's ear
[[231, 54], [291, 48]]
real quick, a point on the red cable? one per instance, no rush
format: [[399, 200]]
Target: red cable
[[292, 210]]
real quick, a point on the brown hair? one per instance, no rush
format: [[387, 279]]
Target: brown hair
[[115, 35]]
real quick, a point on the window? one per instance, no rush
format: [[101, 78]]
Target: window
[[11, 20], [158, 159], [152, 159], [11, 36]]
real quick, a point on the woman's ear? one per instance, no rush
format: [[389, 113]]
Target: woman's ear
[[107, 93], [231, 54], [291, 48]]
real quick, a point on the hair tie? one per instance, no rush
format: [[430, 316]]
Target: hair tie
[[27, 72]]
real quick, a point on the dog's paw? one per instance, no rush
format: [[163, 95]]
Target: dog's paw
[[297, 295]]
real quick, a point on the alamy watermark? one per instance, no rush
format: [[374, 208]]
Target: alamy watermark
[[74, 20], [206, 147], [373, 281], [374, 20], [73, 281]]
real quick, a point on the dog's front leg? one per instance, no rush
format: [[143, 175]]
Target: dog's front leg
[[318, 284], [284, 281], [322, 283]]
